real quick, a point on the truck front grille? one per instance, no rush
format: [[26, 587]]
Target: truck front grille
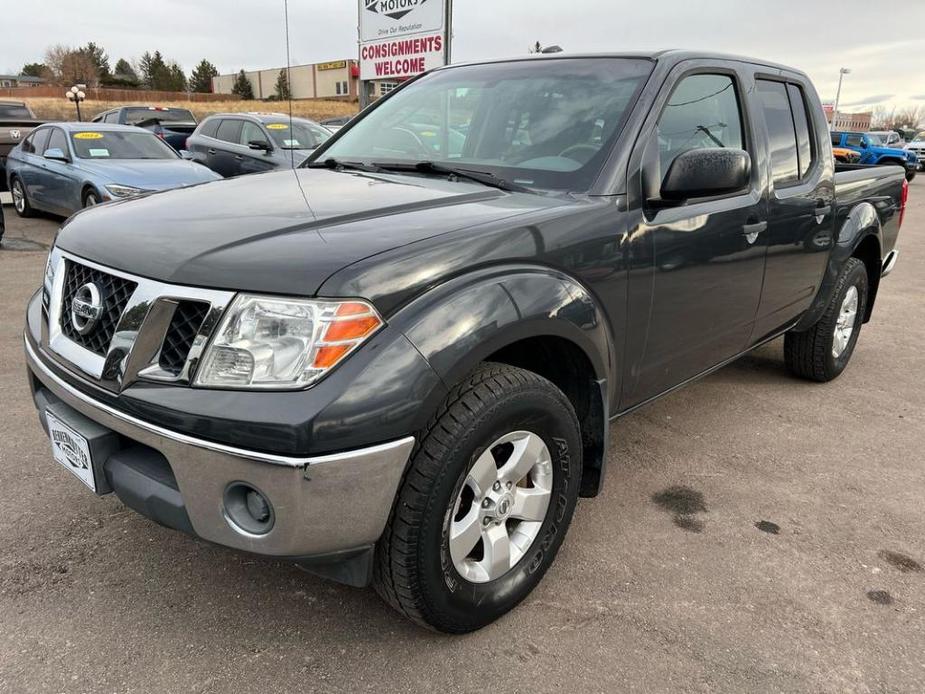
[[115, 293], [146, 330], [184, 326]]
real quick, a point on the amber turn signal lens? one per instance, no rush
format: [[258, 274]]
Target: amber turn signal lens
[[351, 308], [351, 329], [329, 355]]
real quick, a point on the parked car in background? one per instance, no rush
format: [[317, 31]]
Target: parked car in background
[[16, 121], [845, 156], [232, 144], [887, 138], [397, 364], [172, 125], [917, 147], [335, 124], [2, 224], [873, 153], [62, 167]]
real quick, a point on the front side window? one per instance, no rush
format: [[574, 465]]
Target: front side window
[[57, 141], [38, 141], [702, 112], [547, 124], [251, 132], [853, 141], [120, 144]]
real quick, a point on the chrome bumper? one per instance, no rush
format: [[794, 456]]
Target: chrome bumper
[[322, 505]]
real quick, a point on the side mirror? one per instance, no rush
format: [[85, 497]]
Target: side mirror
[[259, 145], [186, 154], [55, 154], [700, 173]]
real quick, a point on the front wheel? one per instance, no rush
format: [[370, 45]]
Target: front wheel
[[485, 504], [91, 198], [822, 352]]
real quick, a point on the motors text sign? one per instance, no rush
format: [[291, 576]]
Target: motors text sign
[[401, 38]]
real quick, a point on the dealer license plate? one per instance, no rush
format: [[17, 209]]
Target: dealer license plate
[[71, 450]]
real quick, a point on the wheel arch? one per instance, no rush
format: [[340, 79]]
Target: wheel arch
[[860, 236], [536, 318]]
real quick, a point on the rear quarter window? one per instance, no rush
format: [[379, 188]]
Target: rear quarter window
[[782, 138], [210, 127]]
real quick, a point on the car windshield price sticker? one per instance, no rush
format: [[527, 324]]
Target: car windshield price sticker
[[277, 126], [88, 136]]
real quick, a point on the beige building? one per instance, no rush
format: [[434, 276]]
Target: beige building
[[335, 79]]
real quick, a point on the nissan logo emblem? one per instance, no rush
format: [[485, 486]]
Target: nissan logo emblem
[[86, 308]]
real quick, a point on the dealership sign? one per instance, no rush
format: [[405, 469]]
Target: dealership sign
[[401, 38]]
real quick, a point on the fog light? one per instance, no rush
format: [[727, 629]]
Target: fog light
[[247, 509]]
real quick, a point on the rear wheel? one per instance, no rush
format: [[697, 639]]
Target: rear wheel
[[20, 199], [822, 352], [485, 504]]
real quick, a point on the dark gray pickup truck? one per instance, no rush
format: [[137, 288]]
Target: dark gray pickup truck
[[398, 364], [16, 121]]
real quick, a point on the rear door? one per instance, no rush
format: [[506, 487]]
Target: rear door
[[32, 171], [222, 151], [801, 200], [701, 263]]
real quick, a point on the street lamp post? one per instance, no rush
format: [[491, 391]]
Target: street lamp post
[[841, 75], [76, 95]]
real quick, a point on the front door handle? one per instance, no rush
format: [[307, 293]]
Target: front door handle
[[752, 229], [822, 210], [238, 157], [210, 150]]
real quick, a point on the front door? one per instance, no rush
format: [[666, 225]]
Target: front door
[[697, 268]]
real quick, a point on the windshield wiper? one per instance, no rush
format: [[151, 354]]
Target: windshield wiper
[[431, 167], [337, 164]]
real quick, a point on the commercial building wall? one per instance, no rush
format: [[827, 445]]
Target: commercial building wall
[[335, 79]]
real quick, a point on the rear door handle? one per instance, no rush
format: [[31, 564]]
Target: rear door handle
[[752, 230], [210, 150], [238, 157]]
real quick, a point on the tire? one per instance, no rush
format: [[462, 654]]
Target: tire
[[910, 176], [815, 354], [90, 198], [20, 199], [418, 570]]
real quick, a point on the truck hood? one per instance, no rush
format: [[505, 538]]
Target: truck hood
[[282, 232]]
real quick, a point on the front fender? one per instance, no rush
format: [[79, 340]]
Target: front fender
[[862, 221], [465, 320]]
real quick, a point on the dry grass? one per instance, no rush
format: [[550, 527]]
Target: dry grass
[[316, 109]]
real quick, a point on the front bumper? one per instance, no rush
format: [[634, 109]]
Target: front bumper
[[324, 506]]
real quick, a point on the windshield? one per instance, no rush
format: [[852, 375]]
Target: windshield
[[120, 145], [299, 136], [877, 138], [14, 111], [539, 123], [133, 116]]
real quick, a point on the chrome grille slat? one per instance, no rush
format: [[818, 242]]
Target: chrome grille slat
[[187, 319]]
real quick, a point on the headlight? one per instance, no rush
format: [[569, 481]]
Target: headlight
[[119, 191], [268, 342]]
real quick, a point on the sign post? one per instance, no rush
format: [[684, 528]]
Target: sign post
[[402, 38]]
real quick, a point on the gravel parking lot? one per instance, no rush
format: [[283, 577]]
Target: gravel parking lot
[[756, 534]]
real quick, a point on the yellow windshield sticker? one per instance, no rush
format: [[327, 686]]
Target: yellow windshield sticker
[[88, 136], [277, 126]]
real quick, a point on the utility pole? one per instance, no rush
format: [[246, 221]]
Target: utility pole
[[841, 74]]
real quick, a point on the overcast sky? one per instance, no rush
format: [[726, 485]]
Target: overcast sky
[[881, 43]]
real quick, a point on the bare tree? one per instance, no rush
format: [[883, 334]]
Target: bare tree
[[71, 66]]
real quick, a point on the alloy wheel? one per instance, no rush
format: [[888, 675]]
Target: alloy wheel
[[844, 325], [500, 509], [19, 197]]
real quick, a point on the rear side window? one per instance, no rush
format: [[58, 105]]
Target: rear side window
[[703, 111], [836, 139], [229, 131], [210, 127], [57, 140], [38, 141], [782, 138], [112, 117], [801, 122]]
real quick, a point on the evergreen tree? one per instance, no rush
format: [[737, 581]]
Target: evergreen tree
[[124, 69], [282, 86], [201, 79], [99, 58], [242, 87], [34, 70], [176, 79]]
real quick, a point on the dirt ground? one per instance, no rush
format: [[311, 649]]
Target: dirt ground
[[756, 534]]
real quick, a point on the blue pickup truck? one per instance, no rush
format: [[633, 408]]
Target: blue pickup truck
[[873, 152]]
